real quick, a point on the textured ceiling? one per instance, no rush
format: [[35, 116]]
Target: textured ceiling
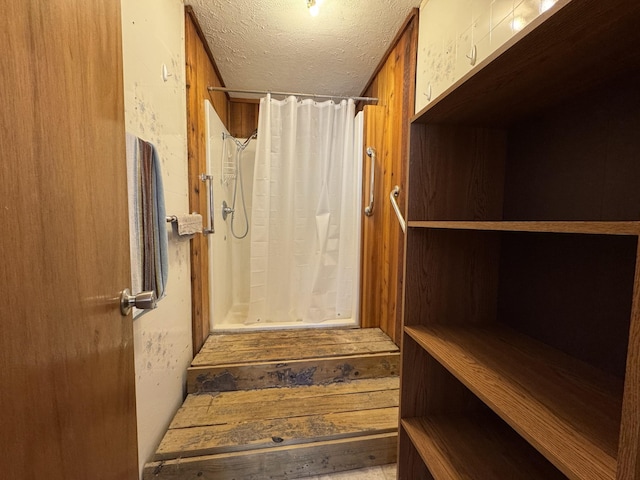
[[277, 45]]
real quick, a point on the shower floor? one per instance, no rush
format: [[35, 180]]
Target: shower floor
[[236, 319]]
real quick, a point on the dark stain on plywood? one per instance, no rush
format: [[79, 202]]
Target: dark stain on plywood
[[222, 382], [289, 377]]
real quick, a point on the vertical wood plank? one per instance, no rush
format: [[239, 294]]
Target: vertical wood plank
[[383, 241], [371, 246], [201, 73], [196, 153], [243, 117]]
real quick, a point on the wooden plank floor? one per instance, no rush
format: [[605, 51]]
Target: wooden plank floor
[[323, 421], [244, 420], [282, 358], [278, 345]]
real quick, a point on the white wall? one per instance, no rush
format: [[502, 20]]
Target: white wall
[[155, 110], [450, 29], [229, 260]]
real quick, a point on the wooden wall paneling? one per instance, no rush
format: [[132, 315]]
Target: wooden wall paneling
[[371, 246], [393, 85], [408, 107], [243, 117], [389, 229], [200, 74], [196, 155], [240, 119]]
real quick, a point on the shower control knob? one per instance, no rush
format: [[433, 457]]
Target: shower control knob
[[226, 210], [143, 301]]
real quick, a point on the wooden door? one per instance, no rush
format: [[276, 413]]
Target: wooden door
[[67, 397]]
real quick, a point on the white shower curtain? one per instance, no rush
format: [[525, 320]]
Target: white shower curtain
[[305, 221]]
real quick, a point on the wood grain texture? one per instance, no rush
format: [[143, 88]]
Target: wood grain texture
[[629, 444], [410, 464], [457, 173], [309, 338], [197, 441], [277, 345], [371, 253], [452, 276], [541, 138], [498, 91], [562, 290], [315, 371], [243, 117], [198, 75], [201, 73], [430, 389], [284, 407], [590, 228], [478, 447], [66, 353], [236, 361], [231, 407], [383, 242], [284, 352], [566, 409], [292, 461], [577, 160]]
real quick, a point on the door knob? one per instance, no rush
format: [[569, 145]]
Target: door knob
[[142, 300]]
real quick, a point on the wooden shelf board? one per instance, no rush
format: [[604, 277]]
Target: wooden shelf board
[[596, 228], [529, 72], [478, 446], [567, 410]]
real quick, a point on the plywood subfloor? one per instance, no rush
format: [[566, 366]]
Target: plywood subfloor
[[244, 420], [284, 358], [282, 345], [270, 426]]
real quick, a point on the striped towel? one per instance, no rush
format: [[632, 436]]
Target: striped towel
[[147, 218]]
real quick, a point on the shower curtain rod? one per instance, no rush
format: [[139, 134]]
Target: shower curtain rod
[[312, 95]]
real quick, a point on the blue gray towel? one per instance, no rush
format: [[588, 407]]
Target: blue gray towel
[[147, 218]]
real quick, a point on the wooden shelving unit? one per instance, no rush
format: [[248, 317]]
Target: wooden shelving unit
[[524, 381], [521, 335], [460, 447], [594, 228]]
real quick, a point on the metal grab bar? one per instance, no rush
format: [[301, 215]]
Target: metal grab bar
[[392, 196], [368, 211], [210, 227]]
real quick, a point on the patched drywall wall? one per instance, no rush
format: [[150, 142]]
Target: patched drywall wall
[[155, 110]]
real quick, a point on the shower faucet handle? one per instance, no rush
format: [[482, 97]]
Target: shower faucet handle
[[226, 210]]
